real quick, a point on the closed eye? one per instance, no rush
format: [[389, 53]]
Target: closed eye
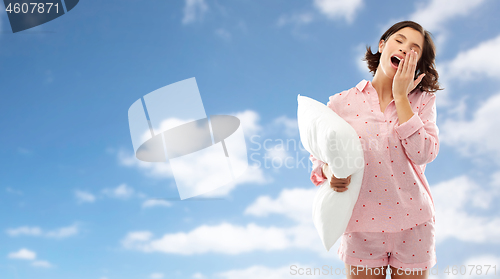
[[399, 41]]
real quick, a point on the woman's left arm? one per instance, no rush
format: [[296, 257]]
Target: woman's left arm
[[419, 133]]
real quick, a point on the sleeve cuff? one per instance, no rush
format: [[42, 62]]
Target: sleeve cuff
[[409, 127], [317, 176]]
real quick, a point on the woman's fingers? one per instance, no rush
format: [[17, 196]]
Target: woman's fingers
[[405, 75], [340, 190], [343, 182], [400, 67], [413, 64], [418, 80], [340, 184], [406, 61], [410, 65]]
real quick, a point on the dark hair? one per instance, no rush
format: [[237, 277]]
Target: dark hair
[[426, 64]]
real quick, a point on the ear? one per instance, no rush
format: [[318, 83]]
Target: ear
[[381, 46]]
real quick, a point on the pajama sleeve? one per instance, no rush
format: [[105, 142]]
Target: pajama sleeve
[[317, 176], [419, 135], [332, 101]]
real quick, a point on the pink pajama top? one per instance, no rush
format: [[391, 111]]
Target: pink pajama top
[[394, 193]]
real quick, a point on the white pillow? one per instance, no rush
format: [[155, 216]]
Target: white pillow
[[332, 140]]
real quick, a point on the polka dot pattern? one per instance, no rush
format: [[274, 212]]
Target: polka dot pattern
[[395, 194], [414, 247]]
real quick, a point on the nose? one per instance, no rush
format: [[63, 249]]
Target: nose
[[403, 51]]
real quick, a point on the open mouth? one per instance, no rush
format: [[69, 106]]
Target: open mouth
[[395, 60]]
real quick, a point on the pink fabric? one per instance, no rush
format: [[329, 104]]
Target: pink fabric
[[395, 194], [414, 248]]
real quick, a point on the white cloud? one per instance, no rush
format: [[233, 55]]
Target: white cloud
[[480, 61], [452, 200], [278, 157], [63, 232], [359, 55], [453, 220], [44, 264], [25, 254], [22, 254], [204, 166], [25, 230], [194, 11], [195, 173], [433, 15], [459, 108], [335, 9], [249, 121], [296, 204], [483, 261], [13, 191], [278, 152], [224, 238], [223, 33], [290, 126], [83, 196], [136, 240], [198, 275], [155, 203], [156, 275], [477, 136], [36, 231], [122, 191], [253, 175], [154, 170], [495, 179], [475, 64], [233, 239], [296, 19]]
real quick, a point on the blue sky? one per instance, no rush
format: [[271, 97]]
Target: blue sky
[[75, 203]]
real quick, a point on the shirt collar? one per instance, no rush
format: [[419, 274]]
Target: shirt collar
[[361, 85]]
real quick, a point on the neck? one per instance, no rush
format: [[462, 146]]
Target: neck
[[383, 86]]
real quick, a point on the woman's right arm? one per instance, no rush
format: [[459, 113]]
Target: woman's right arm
[[320, 172]]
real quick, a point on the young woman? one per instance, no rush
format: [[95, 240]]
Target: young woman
[[395, 117]]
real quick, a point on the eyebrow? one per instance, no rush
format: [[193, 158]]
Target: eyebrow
[[404, 37]]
